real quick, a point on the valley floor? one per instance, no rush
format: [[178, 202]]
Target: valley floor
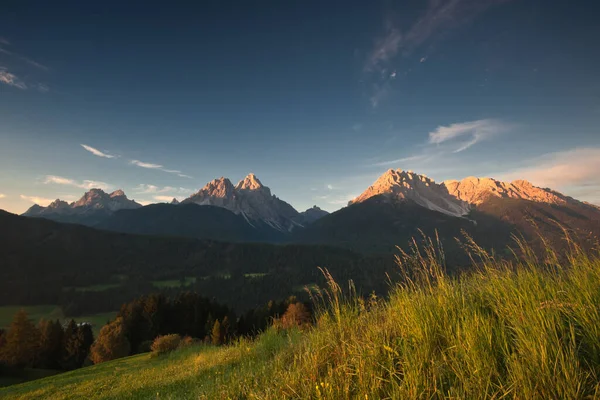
[[507, 331]]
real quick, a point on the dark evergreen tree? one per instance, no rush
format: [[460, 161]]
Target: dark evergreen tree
[[22, 341], [50, 344]]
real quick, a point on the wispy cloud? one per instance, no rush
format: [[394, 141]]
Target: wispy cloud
[[165, 199], [144, 202], [11, 79], [385, 48], [158, 167], [398, 160], [20, 57], [96, 152], [41, 201], [145, 188], [576, 169], [444, 141], [85, 184], [2, 196], [466, 134], [440, 17], [336, 200], [146, 165]]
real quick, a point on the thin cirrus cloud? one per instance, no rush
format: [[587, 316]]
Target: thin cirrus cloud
[[398, 160], [146, 189], [465, 134], [85, 184], [165, 199], [23, 58], [453, 138], [574, 170], [439, 18], [159, 167], [97, 152], [40, 201], [10, 79]]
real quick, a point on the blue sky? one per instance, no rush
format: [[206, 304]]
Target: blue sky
[[316, 98]]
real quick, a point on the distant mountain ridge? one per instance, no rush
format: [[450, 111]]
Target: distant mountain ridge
[[395, 208], [250, 199], [400, 205], [92, 207]]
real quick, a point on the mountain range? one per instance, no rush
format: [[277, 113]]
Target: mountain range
[[398, 206]]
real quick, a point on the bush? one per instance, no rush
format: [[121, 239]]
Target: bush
[[111, 343], [296, 315], [165, 344], [186, 341]]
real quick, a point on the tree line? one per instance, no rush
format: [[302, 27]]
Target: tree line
[[50, 345], [47, 345]]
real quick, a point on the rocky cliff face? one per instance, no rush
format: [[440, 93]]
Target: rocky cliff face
[[398, 185], [455, 197], [477, 190], [249, 198]]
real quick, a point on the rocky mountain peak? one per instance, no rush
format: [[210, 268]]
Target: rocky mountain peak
[[312, 214], [93, 201], [249, 198], [476, 190], [399, 184], [221, 187], [174, 201], [118, 193], [250, 182], [58, 203]]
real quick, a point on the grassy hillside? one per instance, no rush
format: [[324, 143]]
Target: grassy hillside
[[518, 331]]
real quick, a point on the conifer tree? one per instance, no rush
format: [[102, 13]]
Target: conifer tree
[[50, 344], [21, 341], [217, 334]]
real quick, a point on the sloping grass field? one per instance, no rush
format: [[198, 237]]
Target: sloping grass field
[[524, 331]]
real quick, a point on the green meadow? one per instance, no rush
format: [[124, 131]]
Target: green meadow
[[527, 330]]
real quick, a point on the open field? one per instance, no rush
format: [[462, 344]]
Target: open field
[[95, 288], [506, 331], [174, 283]]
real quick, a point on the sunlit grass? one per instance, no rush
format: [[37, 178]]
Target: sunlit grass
[[523, 330]]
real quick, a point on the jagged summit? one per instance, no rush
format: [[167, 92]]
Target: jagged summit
[[399, 184], [454, 197], [312, 214], [58, 203], [249, 198], [118, 193], [91, 201], [476, 190], [250, 182]]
